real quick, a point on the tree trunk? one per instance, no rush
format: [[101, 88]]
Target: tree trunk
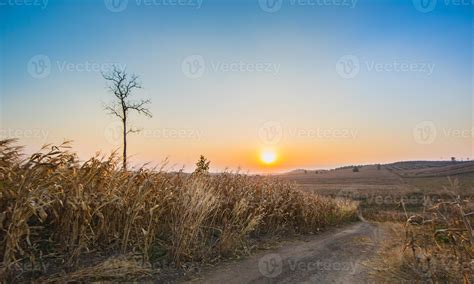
[[125, 144]]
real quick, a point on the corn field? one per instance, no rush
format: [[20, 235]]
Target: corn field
[[62, 219]]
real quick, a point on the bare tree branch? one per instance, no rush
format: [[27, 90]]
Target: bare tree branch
[[112, 110], [122, 85], [134, 130], [138, 106]]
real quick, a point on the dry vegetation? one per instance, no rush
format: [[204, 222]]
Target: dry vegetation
[[438, 244], [64, 220], [427, 216], [441, 240]]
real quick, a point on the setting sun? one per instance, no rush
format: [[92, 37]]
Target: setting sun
[[268, 157]]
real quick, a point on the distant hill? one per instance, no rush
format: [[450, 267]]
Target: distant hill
[[410, 168], [296, 172], [303, 171], [431, 168]]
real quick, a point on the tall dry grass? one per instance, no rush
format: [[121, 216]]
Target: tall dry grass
[[59, 217], [438, 243], [441, 240]]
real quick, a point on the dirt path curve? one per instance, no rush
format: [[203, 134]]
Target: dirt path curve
[[335, 256]]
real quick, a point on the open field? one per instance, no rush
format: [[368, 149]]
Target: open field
[[380, 190], [330, 182], [389, 178], [427, 206]]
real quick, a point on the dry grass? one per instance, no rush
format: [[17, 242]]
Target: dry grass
[[438, 244], [441, 240], [68, 220]]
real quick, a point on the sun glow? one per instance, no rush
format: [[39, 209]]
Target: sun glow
[[268, 157]]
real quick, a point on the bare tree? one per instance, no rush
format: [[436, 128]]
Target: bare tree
[[122, 86]]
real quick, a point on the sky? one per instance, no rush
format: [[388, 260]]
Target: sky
[[317, 83]]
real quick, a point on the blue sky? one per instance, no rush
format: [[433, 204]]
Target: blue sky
[[299, 48]]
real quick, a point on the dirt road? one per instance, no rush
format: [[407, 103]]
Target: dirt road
[[335, 256]]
